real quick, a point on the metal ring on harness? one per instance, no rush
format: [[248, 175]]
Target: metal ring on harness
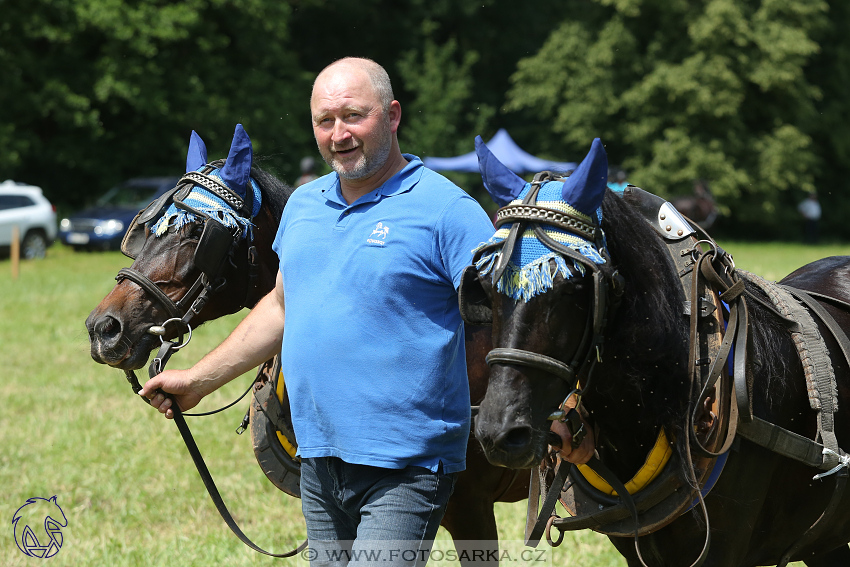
[[155, 330], [696, 250]]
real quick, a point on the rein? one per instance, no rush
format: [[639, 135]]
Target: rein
[[217, 244]]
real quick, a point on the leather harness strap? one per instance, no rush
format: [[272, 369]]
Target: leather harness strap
[[162, 357]]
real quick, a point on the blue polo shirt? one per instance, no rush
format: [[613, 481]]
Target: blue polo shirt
[[373, 347]]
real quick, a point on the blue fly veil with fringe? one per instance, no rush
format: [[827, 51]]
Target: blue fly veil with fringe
[[529, 270]]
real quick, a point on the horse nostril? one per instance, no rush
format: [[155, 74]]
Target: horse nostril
[[515, 439], [107, 327]]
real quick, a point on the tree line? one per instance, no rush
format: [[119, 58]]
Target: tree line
[[745, 94]]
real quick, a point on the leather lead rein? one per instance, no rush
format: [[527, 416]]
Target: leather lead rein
[[157, 366]]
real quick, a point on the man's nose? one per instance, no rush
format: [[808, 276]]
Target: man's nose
[[340, 132]]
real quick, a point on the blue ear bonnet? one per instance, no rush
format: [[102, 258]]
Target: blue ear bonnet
[[529, 271], [235, 174]]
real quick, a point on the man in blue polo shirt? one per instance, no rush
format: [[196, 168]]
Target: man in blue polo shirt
[[371, 256]]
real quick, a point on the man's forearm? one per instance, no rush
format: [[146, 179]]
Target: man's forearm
[[256, 339]]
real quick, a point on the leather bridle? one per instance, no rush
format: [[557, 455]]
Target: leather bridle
[[217, 245], [589, 351]]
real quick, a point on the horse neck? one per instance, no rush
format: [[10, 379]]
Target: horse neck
[[265, 229], [641, 384], [626, 429]]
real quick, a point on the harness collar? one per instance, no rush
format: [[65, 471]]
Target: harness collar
[[651, 468]]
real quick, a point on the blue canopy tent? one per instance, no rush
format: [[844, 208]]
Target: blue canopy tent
[[507, 151]]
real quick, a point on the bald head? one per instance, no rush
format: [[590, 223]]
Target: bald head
[[378, 77]]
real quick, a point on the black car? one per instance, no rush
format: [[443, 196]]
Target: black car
[[103, 226]]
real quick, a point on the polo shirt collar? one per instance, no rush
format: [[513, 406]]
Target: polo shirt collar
[[401, 182]]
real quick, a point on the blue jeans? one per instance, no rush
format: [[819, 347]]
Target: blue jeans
[[363, 515]]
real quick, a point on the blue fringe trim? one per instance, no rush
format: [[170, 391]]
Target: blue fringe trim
[[206, 202], [530, 280], [181, 218], [534, 278]]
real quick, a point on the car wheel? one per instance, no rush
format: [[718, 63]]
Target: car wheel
[[34, 245]]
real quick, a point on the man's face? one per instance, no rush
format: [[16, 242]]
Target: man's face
[[353, 133]]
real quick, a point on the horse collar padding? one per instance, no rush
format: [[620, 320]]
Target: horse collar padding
[[652, 467]]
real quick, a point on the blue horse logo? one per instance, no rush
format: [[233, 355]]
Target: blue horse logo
[[37, 526]]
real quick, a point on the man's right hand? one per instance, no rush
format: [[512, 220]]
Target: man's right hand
[[179, 384]]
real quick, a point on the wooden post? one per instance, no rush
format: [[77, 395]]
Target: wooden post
[[16, 251]]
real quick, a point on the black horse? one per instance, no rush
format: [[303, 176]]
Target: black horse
[[619, 334], [120, 331]]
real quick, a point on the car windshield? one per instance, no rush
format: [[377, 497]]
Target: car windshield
[[134, 196]]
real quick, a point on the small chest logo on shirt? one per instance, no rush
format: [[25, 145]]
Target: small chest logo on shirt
[[379, 234]]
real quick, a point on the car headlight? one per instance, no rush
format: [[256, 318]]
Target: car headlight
[[109, 227], [65, 224]]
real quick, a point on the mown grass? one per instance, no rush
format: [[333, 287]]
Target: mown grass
[[71, 428]]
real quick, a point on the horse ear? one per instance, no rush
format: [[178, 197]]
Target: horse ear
[[197, 155], [585, 188], [237, 169], [503, 184]]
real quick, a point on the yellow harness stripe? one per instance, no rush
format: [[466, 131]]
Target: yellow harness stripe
[[284, 442], [655, 462]]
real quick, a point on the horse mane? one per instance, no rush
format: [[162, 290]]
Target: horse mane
[[276, 193], [767, 348], [647, 338]]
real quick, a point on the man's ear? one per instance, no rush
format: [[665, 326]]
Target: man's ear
[[395, 115]]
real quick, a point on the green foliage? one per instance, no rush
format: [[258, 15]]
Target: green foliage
[[747, 94], [101, 90], [713, 89], [437, 117]]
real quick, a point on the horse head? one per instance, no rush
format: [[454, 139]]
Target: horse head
[[545, 268], [195, 252]]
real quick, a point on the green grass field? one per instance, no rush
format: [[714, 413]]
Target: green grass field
[[72, 428]]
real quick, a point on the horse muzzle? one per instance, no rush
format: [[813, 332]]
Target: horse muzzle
[[110, 344], [508, 443]]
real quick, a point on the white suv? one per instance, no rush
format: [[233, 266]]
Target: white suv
[[27, 208]]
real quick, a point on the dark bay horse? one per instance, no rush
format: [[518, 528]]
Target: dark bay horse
[[548, 275], [119, 331], [698, 207]]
